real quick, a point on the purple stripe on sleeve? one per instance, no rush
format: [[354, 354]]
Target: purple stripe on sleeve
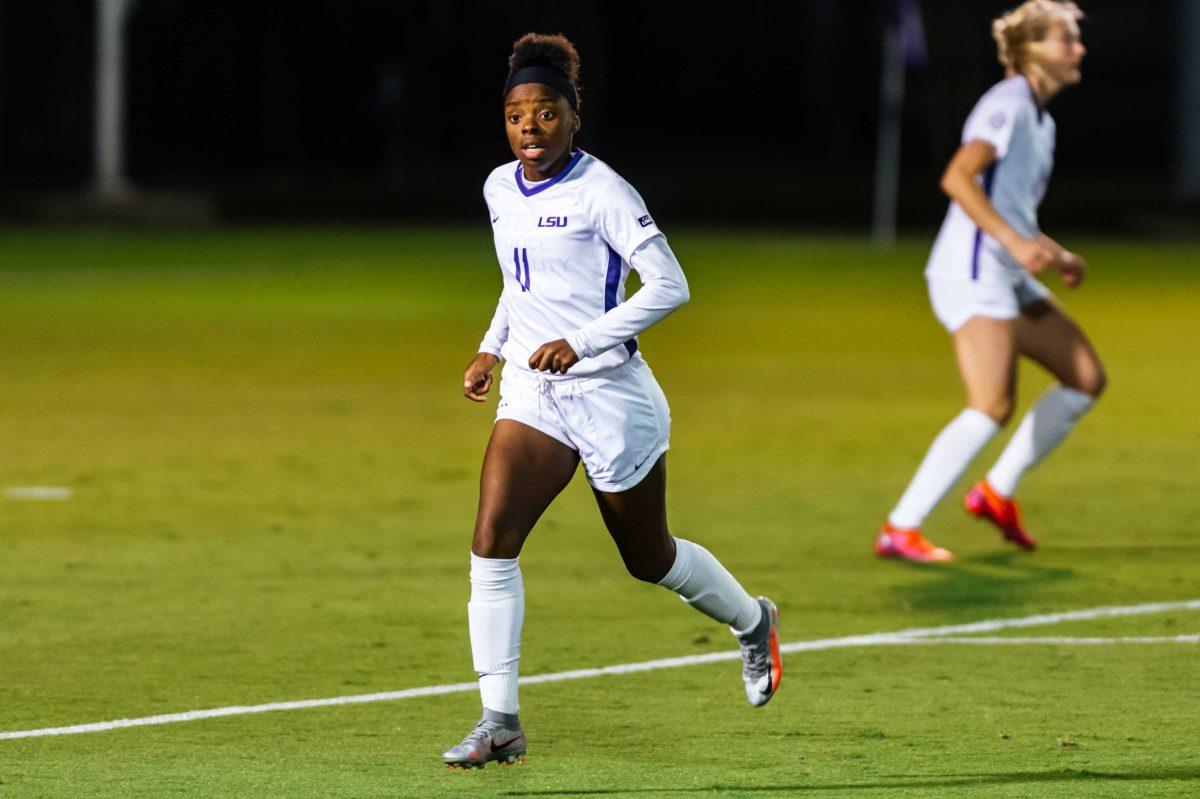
[[612, 281]]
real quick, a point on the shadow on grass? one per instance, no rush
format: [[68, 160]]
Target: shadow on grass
[[994, 580], [1151, 550], [893, 783]]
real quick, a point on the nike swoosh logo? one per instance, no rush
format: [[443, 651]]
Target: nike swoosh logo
[[497, 747], [494, 218]]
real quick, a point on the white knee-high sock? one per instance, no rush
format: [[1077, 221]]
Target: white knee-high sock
[[494, 614], [948, 457], [1044, 427], [702, 582]]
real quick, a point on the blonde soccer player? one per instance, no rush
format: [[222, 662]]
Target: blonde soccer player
[[983, 289], [576, 389]]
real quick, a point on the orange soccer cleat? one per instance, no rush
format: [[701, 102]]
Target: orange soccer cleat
[[983, 501], [898, 542]]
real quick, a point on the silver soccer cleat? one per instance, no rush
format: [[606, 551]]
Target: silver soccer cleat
[[497, 737], [762, 665]]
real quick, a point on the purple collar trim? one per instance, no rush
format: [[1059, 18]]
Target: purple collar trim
[[545, 184]]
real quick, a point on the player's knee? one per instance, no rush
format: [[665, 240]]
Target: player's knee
[[486, 547], [646, 565], [494, 541], [1093, 381], [999, 409], [648, 571]]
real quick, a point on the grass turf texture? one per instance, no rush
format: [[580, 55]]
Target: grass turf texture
[[274, 483]]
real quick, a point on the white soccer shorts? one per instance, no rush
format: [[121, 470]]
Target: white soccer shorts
[[618, 421], [955, 300]]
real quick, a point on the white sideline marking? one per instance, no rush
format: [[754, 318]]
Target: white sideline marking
[[915, 635], [38, 493], [1162, 639]]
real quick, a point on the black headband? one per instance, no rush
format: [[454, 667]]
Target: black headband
[[547, 76]]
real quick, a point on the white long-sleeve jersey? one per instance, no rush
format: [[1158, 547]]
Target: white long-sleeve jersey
[[565, 247]]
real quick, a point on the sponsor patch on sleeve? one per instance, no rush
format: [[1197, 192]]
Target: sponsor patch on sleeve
[[998, 119], [645, 221]]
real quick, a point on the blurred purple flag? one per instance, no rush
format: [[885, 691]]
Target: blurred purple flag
[[912, 33]]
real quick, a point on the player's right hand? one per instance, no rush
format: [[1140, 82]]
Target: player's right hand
[[1032, 254], [1071, 267], [477, 380]]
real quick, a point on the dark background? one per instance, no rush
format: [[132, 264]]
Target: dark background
[[381, 110]]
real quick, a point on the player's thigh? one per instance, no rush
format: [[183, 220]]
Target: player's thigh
[[523, 471], [985, 348], [1049, 336], [636, 519]]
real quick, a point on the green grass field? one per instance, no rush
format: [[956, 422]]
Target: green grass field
[[274, 481]]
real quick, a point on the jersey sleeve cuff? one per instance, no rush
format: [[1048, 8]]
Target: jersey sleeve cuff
[[580, 344], [491, 350]]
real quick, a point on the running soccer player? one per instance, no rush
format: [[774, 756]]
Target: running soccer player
[[575, 388], [982, 289]]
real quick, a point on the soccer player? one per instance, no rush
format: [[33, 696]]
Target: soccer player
[[575, 388], [982, 286]]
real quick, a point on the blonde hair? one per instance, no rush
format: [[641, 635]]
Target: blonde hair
[[1026, 24]]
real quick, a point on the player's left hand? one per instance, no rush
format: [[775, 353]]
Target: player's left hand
[[1071, 267], [555, 356], [477, 380]]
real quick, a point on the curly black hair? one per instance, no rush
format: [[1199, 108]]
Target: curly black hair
[[551, 50]]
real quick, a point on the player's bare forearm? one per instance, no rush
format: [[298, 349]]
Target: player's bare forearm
[[477, 379], [961, 187], [1051, 244], [960, 184]]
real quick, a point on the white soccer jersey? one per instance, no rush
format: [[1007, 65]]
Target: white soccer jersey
[[565, 247], [1009, 118]]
